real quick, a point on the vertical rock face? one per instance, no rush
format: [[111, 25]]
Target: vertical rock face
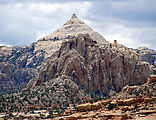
[[90, 66], [96, 69], [27, 60]]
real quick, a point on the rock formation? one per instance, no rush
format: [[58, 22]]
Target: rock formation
[[27, 60], [96, 68], [146, 89], [15, 65], [72, 28], [133, 102], [66, 68], [80, 70], [147, 54], [92, 68], [123, 105]]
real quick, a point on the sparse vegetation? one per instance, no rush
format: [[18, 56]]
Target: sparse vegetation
[[111, 106]]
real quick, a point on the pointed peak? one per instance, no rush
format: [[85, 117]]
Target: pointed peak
[[74, 16]]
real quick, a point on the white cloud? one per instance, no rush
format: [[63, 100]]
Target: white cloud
[[69, 7], [44, 7], [124, 35], [1, 44], [131, 37], [122, 31], [23, 23], [4, 45], [54, 9]]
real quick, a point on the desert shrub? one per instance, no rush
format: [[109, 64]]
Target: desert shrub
[[1, 110], [136, 106], [111, 106]]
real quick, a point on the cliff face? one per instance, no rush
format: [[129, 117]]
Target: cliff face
[[79, 71], [96, 69], [22, 63], [95, 61], [27, 60]]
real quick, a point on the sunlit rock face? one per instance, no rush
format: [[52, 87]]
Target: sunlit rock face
[[27, 60], [72, 28], [96, 69]]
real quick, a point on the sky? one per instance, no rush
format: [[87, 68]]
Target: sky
[[130, 22]]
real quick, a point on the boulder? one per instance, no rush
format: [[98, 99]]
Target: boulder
[[129, 101], [155, 63], [129, 90], [89, 106], [96, 105], [67, 112], [114, 102], [139, 100], [73, 117], [146, 100], [105, 102], [151, 79], [127, 108], [84, 107]]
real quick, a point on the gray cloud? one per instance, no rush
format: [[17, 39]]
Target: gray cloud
[[132, 22], [134, 10]]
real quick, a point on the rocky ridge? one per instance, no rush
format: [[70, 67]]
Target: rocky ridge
[[81, 68], [24, 62], [147, 55], [114, 65], [22, 59], [72, 28], [117, 107], [15, 67], [73, 69], [123, 109], [79, 71], [123, 105]]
